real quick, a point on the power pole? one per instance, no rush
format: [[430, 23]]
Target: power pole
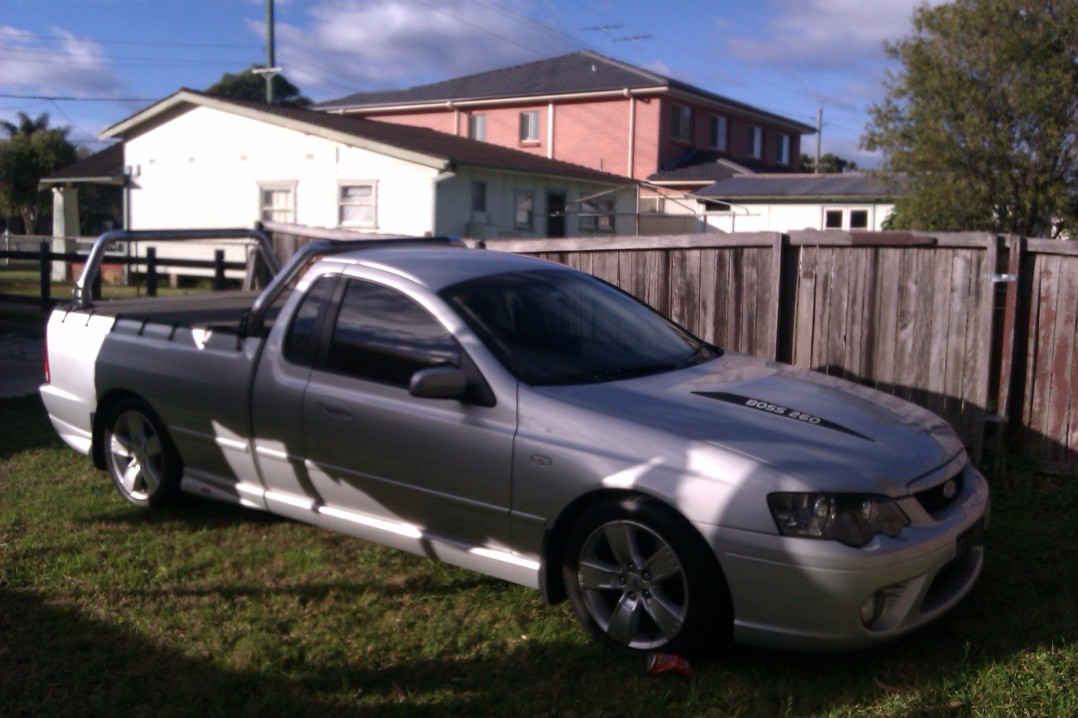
[[270, 52], [819, 132]]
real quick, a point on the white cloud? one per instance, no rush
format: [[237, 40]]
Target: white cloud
[[815, 35], [356, 45], [57, 64]]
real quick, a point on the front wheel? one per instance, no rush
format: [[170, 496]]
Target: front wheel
[[140, 456], [640, 579]]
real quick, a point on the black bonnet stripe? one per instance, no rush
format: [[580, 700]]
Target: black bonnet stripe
[[780, 411]]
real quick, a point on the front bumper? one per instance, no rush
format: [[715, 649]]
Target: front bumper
[[810, 595]]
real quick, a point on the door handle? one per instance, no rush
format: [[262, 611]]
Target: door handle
[[335, 410]]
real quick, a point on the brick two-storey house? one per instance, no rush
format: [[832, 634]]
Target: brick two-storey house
[[601, 113]]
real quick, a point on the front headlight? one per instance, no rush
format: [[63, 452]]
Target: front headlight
[[852, 519]]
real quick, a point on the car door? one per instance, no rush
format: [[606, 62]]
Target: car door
[[440, 465]]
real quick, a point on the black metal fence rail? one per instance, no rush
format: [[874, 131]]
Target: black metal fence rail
[[44, 257]]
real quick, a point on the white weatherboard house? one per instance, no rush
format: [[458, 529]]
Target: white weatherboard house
[[789, 202], [196, 160]]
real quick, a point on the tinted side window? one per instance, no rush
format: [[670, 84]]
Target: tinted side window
[[299, 344], [383, 336]]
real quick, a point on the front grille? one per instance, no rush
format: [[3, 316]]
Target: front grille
[[936, 499]]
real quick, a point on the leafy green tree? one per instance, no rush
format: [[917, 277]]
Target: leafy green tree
[[247, 85], [980, 124], [31, 152], [829, 163]]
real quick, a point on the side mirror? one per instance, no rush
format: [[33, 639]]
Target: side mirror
[[438, 382]]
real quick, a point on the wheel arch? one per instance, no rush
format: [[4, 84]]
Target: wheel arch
[[551, 583], [105, 406]]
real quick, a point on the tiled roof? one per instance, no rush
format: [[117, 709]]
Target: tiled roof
[[579, 72], [792, 185], [430, 143], [104, 166]]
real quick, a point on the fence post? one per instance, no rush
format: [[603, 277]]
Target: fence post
[[219, 270], [151, 271], [45, 266]]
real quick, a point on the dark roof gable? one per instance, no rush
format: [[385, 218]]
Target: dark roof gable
[[579, 72]]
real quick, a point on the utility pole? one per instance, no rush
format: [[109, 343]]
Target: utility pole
[[271, 68], [270, 52], [819, 131]]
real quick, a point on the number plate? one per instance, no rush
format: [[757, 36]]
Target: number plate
[[969, 538]]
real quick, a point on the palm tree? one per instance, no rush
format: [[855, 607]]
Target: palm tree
[[28, 126]]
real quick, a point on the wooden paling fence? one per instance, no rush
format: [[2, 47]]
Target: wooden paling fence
[[978, 328]]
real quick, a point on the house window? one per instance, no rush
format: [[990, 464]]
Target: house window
[[477, 127], [784, 149], [529, 126], [756, 142], [597, 215], [277, 202], [652, 205], [832, 219], [479, 196], [357, 202], [681, 123], [717, 132], [845, 219], [524, 203], [858, 219]]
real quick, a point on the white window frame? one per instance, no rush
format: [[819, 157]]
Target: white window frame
[[529, 126], [718, 131], [477, 127], [343, 202], [756, 142], [529, 221], [846, 214], [597, 215], [271, 212], [681, 122]]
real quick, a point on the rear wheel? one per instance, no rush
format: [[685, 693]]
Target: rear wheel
[[140, 457], [640, 579]]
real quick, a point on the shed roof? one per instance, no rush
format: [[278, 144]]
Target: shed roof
[[799, 186], [104, 167]]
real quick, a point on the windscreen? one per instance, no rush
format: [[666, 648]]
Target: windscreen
[[563, 327]]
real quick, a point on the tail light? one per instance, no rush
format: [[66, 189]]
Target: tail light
[[45, 353]]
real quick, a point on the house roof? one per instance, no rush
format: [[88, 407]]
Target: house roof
[[423, 146], [578, 73], [788, 186], [705, 167], [104, 167]]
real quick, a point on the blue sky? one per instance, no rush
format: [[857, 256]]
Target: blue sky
[[91, 63]]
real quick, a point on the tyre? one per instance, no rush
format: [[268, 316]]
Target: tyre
[[641, 579], [140, 457]]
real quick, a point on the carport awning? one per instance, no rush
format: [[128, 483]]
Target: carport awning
[[104, 167]]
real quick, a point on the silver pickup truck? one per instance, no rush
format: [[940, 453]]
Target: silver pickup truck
[[530, 422]]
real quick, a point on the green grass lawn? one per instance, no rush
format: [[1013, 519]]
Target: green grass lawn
[[213, 610]]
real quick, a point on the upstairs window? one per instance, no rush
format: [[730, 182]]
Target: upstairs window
[[756, 142], [477, 127], [357, 205], [529, 126], [784, 148], [681, 123], [717, 132]]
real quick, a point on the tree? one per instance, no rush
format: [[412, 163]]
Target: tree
[[981, 123], [249, 86], [31, 152], [829, 164]]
